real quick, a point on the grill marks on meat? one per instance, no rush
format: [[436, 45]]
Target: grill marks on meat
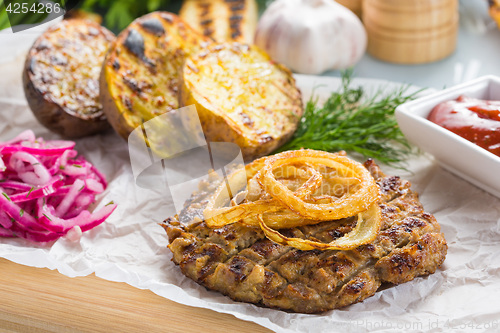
[[238, 260]]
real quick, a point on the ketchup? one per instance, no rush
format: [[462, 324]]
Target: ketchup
[[473, 119]]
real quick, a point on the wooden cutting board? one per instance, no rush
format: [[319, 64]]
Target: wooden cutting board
[[41, 300]]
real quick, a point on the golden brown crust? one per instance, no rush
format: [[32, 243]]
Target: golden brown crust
[[243, 97], [140, 75], [61, 75], [238, 261], [222, 20]]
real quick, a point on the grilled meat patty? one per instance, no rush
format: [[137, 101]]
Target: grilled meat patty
[[238, 261]]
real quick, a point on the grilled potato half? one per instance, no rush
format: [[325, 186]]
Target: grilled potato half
[[243, 97], [61, 77], [222, 20], [140, 76]]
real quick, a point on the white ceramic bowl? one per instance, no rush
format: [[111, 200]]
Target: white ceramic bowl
[[456, 154]]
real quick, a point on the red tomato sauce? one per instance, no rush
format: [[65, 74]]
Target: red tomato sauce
[[473, 119]]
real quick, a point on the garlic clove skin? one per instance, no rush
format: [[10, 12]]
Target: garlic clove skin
[[311, 36]]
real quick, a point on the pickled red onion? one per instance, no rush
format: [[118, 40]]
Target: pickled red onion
[[46, 190]]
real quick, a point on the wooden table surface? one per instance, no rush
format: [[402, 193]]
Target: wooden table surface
[[42, 300]]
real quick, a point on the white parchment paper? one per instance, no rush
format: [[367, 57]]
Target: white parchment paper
[[464, 295]]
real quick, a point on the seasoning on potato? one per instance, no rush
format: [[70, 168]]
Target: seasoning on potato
[[140, 75], [222, 20], [61, 77], [242, 97]]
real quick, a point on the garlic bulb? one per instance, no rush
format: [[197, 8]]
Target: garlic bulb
[[311, 36]]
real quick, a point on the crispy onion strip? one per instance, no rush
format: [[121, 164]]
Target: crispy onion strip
[[366, 230], [218, 217], [349, 206], [299, 188]]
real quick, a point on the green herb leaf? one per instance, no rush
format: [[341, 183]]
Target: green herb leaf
[[153, 5], [351, 121], [119, 14], [6, 196]]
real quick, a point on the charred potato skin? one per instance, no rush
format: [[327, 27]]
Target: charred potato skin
[[222, 20], [140, 75], [50, 111], [56, 119], [218, 127], [113, 114]]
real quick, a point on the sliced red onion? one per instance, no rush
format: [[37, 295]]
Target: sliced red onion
[[76, 169], [18, 214], [33, 193], [97, 217], [94, 185], [62, 160], [5, 220], [100, 176], [27, 135], [47, 190], [38, 176], [58, 149], [85, 220], [6, 232], [35, 236], [68, 200], [16, 185], [84, 199], [81, 204], [18, 161], [40, 238]]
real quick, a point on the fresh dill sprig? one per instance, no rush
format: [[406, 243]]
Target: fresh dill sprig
[[351, 121]]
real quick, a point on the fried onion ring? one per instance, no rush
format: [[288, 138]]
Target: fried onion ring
[[366, 230], [349, 206], [218, 217], [299, 188]]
